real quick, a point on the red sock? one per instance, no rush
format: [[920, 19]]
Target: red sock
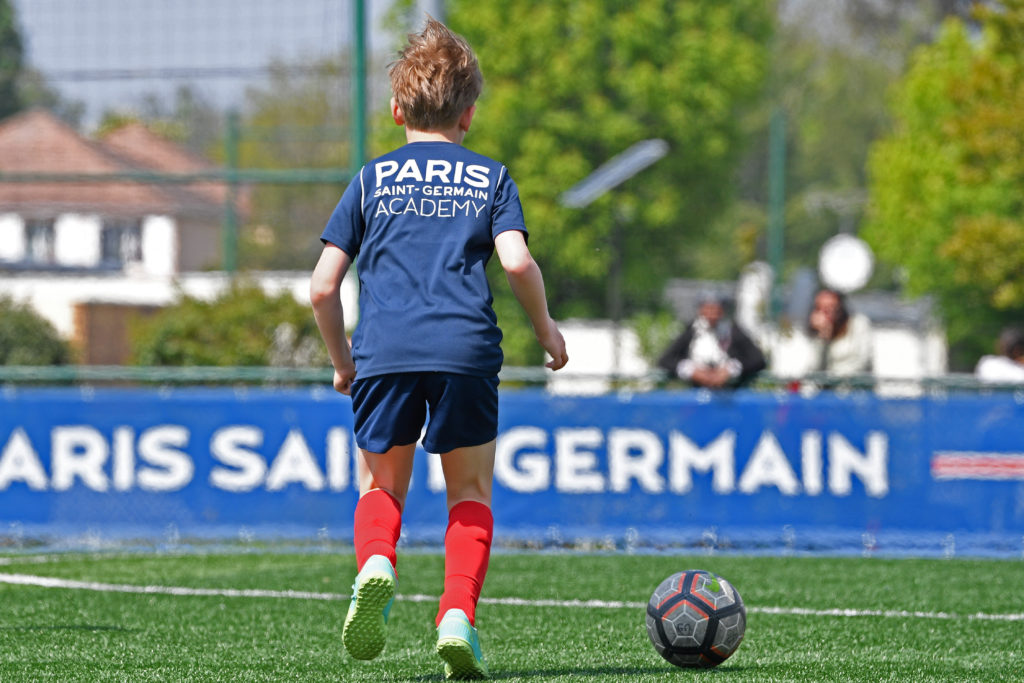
[[467, 550], [378, 523]]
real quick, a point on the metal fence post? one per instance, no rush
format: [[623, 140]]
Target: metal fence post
[[230, 227], [358, 85]]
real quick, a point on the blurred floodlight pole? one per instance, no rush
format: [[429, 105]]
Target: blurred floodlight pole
[[609, 175], [613, 172]]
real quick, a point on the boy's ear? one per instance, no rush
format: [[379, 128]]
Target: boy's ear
[[396, 113], [467, 118]]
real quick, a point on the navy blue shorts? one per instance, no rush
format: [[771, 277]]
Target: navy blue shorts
[[390, 410]]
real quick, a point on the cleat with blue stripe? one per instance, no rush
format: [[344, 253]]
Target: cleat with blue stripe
[[373, 593], [458, 644]]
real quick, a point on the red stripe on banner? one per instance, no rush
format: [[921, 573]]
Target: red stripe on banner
[[968, 465]]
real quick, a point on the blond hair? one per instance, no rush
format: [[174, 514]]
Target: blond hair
[[435, 78]]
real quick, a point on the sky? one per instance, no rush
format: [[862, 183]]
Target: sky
[[109, 54]]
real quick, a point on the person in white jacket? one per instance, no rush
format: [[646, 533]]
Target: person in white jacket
[[1006, 366], [841, 338], [834, 341]]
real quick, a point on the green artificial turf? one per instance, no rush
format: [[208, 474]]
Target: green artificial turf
[[73, 634]]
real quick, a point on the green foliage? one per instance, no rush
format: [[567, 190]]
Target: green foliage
[[947, 186], [11, 60], [570, 85], [26, 338], [242, 327], [656, 332]]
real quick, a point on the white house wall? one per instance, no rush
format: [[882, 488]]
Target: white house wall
[[936, 353], [898, 352], [77, 240], [159, 246], [592, 357], [12, 237]]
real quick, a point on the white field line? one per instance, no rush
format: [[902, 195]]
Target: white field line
[[51, 582], [29, 559]]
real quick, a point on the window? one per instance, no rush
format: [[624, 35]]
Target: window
[[121, 242], [39, 240]]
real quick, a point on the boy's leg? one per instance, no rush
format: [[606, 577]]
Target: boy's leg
[[383, 484], [467, 547], [468, 474], [463, 410]]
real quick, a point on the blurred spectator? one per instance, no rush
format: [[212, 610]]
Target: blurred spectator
[[843, 337], [713, 351], [1008, 364], [835, 341]]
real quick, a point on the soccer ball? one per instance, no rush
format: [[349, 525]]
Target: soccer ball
[[696, 619]]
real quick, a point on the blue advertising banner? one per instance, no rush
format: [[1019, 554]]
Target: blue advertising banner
[[740, 469]]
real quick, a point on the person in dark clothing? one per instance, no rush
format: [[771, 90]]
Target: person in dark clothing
[[712, 351]]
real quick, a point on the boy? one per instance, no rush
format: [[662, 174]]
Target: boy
[[424, 220]]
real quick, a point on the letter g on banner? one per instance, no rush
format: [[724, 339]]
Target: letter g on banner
[[520, 463]]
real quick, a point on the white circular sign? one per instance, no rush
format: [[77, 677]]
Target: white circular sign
[[845, 263]]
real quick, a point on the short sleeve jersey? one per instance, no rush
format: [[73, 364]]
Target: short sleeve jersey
[[420, 222]]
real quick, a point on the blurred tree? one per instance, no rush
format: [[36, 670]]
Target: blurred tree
[[188, 118], [35, 91], [947, 185], [26, 338], [242, 327], [22, 86], [299, 120], [832, 67], [11, 60], [834, 102], [568, 85]]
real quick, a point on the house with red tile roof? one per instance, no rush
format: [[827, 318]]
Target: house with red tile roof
[[91, 255], [119, 225]]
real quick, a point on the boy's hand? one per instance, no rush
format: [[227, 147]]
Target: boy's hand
[[343, 378], [553, 342]]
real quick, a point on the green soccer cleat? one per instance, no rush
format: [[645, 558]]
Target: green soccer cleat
[[373, 592], [459, 646]]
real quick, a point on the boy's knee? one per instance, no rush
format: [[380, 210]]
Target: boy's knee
[[472, 493], [383, 489]]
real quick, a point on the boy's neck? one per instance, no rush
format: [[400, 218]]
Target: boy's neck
[[454, 135]]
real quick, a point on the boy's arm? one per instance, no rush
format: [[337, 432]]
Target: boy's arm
[[325, 295], [527, 284]]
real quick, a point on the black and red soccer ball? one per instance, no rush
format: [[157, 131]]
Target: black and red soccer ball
[[696, 619]]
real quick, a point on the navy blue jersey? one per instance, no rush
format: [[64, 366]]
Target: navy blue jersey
[[422, 222]]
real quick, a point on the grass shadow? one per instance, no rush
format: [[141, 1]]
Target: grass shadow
[[620, 671]]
